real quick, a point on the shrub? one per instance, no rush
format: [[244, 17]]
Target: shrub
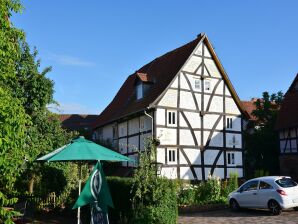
[[154, 198], [120, 189], [187, 195]]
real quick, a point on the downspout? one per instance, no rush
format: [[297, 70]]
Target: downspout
[[148, 115]]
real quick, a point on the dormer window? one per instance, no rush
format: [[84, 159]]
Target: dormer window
[[139, 89], [143, 84]]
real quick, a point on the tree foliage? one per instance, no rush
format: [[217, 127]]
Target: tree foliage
[[262, 144], [28, 129]]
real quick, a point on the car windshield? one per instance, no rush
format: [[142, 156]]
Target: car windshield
[[286, 182]]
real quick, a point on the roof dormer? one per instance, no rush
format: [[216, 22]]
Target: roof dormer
[[143, 84]]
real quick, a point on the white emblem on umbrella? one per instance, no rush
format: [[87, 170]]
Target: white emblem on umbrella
[[95, 184]]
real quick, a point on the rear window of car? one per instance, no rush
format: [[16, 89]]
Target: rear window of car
[[286, 182]]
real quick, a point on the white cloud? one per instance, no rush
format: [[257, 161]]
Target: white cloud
[[69, 60]]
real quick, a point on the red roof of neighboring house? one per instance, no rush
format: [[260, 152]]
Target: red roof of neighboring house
[[250, 106], [162, 70], [76, 122], [288, 113]]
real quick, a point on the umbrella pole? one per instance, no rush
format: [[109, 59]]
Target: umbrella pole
[[80, 183]]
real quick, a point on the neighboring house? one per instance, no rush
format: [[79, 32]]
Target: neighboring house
[[287, 126], [186, 100], [78, 122], [251, 123]]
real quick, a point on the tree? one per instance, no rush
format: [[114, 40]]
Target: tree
[[262, 145]]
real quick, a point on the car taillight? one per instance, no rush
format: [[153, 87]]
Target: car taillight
[[281, 192]]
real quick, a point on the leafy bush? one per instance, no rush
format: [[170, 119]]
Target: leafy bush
[[154, 198], [120, 189]]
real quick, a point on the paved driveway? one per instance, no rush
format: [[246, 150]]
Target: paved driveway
[[245, 216]]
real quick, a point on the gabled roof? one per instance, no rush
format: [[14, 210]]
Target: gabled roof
[[288, 113], [162, 70]]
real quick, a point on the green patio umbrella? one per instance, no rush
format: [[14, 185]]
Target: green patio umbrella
[[80, 150]]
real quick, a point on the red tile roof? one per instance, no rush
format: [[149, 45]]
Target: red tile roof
[[288, 114], [250, 106], [162, 70]]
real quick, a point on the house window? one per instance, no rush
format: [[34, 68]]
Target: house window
[[197, 83], [171, 117], [207, 85], [172, 156], [229, 123], [231, 158], [122, 131], [139, 91]]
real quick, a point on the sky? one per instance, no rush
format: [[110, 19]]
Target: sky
[[94, 45]]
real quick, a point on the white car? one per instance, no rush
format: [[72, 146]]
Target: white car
[[272, 192]]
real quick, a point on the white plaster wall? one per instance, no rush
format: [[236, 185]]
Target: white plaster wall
[[229, 140], [175, 83], [235, 170], [133, 126], [209, 156], [122, 144], [198, 173], [294, 144], [216, 139], [199, 50], [219, 172], [236, 123], [209, 121], [122, 129], [147, 122], [282, 145], [206, 100], [231, 106], [186, 174], [133, 144], [206, 51], [192, 64], [186, 137], [182, 122], [183, 82], [219, 89], [212, 68], [107, 132], [160, 116], [167, 136], [198, 136], [194, 156], [169, 99], [160, 155], [281, 134], [169, 172], [227, 91], [193, 118], [198, 98], [186, 100], [216, 104], [293, 133]]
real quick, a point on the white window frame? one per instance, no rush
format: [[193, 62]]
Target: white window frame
[[205, 84], [229, 123], [231, 159], [197, 84], [171, 118], [172, 156], [139, 90]]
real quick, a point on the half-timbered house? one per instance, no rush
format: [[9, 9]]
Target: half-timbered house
[[186, 100], [287, 126]]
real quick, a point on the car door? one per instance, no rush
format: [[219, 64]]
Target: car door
[[248, 195], [265, 192]]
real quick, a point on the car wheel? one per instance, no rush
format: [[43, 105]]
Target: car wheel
[[234, 206], [274, 207]]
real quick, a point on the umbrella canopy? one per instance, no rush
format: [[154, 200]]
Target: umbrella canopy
[[81, 149]]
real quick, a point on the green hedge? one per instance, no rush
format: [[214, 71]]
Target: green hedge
[[159, 204], [120, 188]]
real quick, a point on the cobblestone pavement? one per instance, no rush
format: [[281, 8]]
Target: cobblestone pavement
[[243, 216]]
